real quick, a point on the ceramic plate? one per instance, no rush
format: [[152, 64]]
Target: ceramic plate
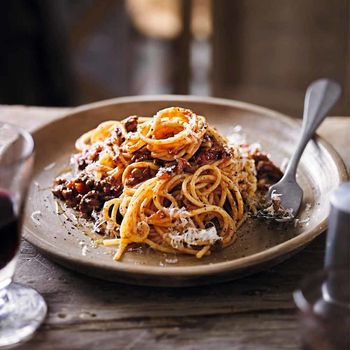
[[57, 234]]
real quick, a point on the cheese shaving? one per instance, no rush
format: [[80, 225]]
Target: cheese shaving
[[194, 237], [275, 209], [35, 217]]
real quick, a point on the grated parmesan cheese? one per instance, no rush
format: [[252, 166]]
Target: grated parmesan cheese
[[177, 212], [195, 237], [171, 261], [274, 210], [84, 250], [35, 217]]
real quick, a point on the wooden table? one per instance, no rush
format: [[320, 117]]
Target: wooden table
[[256, 312]]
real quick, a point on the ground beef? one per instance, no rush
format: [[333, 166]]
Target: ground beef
[[267, 172], [210, 151], [85, 193], [85, 158], [183, 165], [138, 175], [141, 155], [131, 123], [89, 202], [68, 194]]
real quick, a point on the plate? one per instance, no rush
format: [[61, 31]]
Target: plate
[[259, 245]]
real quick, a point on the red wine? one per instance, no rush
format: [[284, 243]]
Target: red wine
[[9, 230]]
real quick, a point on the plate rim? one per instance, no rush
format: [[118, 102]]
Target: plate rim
[[264, 256]]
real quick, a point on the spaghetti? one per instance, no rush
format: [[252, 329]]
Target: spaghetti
[[171, 182]]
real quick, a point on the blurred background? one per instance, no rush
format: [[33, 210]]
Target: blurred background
[[70, 52]]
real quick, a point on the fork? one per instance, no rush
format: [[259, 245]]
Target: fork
[[320, 97]]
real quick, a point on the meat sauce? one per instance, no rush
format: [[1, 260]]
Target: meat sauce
[[267, 172], [86, 194]]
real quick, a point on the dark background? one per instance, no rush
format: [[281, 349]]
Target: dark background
[[69, 52]]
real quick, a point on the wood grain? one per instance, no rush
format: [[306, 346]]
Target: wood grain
[[256, 312]]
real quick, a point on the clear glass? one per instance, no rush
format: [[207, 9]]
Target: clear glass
[[22, 309], [324, 303]]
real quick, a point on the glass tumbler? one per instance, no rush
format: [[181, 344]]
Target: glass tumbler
[[22, 309], [324, 314]]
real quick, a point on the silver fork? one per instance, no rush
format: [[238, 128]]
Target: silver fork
[[320, 97]]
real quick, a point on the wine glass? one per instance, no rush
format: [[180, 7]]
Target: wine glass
[[22, 309]]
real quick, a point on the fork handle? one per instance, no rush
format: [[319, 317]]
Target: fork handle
[[321, 96]]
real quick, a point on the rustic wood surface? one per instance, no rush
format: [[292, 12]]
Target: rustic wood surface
[[256, 312]]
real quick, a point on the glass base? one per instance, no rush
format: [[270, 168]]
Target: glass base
[[23, 311]]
